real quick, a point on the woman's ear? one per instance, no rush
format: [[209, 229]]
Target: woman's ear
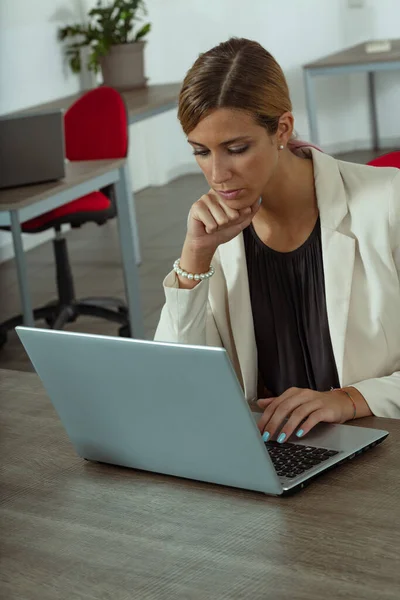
[[285, 129]]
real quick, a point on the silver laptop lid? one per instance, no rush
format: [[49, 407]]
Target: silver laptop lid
[[32, 148], [166, 408]]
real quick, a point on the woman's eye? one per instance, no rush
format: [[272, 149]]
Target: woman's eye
[[239, 150]]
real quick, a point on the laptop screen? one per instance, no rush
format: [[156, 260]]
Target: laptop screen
[[31, 148]]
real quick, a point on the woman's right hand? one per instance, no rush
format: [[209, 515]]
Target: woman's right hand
[[211, 222]]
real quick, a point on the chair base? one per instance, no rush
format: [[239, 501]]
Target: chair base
[[67, 308], [57, 315]]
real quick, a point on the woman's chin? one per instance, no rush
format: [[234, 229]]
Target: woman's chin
[[244, 201]]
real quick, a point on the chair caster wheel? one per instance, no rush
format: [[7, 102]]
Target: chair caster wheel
[[125, 331], [3, 338]]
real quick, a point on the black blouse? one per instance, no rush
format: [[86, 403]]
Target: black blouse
[[287, 292]]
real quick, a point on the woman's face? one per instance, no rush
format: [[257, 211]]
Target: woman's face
[[237, 156]]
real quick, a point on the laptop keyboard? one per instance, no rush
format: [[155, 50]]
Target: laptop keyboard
[[291, 460]]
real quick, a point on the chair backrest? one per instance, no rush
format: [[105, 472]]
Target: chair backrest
[[96, 126], [392, 159]]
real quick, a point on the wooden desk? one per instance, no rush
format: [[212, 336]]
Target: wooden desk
[[21, 204], [141, 104], [76, 530], [351, 60]]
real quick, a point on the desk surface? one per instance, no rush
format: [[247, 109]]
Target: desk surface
[[356, 55], [75, 173], [137, 102], [74, 529]]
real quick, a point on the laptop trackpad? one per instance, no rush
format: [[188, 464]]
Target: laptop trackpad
[[328, 435]]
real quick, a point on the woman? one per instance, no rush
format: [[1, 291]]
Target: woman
[[290, 262]]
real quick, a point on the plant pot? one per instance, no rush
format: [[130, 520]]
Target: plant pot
[[123, 67]]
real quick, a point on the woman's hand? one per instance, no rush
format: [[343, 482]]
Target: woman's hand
[[211, 222], [303, 409]]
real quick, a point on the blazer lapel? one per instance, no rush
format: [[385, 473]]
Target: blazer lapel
[[338, 255], [233, 261], [338, 251]]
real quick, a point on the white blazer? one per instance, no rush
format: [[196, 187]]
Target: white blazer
[[360, 230]]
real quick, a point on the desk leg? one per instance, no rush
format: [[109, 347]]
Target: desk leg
[[21, 270], [136, 229], [311, 106], [372, 109], [127, 229]]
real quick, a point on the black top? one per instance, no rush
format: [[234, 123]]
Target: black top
[[287, 292]]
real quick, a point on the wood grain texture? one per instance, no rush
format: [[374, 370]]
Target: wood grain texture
[[76, 530], [75, 173], [356, 55]]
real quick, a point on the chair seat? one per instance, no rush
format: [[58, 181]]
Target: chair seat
[[392, 159], [92, 207]]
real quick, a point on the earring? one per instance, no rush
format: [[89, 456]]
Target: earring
[[281, 147]]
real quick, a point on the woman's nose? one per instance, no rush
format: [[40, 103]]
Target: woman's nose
[[220, 172]]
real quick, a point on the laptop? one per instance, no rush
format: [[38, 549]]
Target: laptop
[[177, 410], [32, 148]]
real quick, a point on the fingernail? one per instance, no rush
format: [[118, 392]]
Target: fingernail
[[259, 201], [299, 433], [282, 438], [265, 436]]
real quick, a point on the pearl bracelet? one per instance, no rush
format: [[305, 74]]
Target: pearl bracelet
[[195, 276]]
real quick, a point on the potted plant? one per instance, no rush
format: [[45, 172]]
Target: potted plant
[[112, 43]]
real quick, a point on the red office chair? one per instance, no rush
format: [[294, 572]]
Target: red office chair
[[392, 159], [96, 127]]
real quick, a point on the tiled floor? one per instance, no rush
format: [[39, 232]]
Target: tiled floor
[[94, 254]]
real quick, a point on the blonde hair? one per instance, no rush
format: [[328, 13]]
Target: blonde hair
[[238, 74]]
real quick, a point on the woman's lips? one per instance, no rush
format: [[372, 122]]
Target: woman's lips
[[230, 194]]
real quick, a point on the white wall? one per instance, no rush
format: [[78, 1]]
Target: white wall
[[32, 68], [296, 32]]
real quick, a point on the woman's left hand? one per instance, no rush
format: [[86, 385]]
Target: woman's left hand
[[303, 409]]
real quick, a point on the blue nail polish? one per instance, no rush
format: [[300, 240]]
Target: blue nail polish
[[265, 436], [299, 433], [282, 438]]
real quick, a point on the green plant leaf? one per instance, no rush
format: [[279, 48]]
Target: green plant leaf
[[75, 62], [108, 24], [143, 32], [93, 63], [71, 31]]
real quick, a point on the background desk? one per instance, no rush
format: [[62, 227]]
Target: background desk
[[351, 60], [140, 104], [20, 204], [83, 531]]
